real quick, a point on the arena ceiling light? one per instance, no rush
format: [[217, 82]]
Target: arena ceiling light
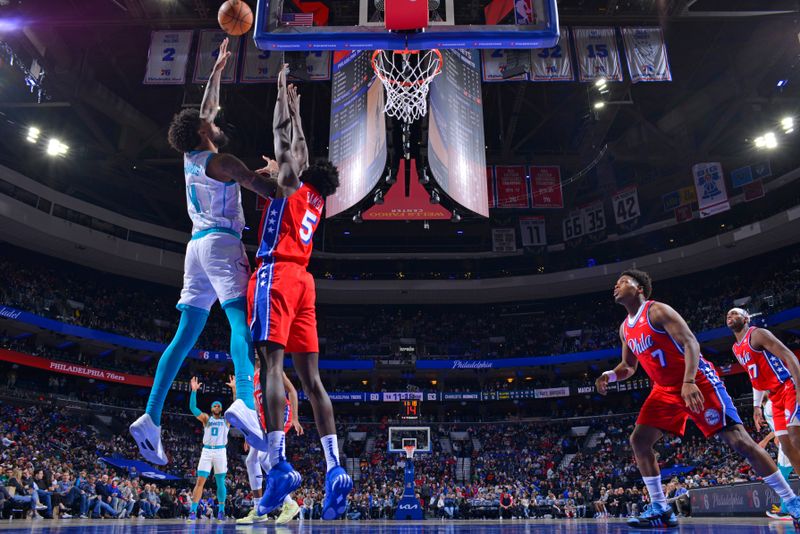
[[33, 134], [788, 124], [768, 141], [599, 104], [56, 148]]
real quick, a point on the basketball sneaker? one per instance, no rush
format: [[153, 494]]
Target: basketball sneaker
[[221, 515], [281, 481], [289, 511], [793, 507], [192, 517], [654, 516], [776, 512], [252, 518], [246, 420], [337, 485], [148, 437]]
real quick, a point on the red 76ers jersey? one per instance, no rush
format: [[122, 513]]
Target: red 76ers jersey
[[660, 356], [288, 226], [766, 370]]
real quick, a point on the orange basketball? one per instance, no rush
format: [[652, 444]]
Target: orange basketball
[[235, 17]]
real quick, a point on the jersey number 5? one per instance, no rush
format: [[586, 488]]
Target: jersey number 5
[[307, 227]]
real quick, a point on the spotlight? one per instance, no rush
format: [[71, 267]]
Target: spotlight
[[600, 83], [378, 198], [456, 218], [33, 134], [56, 148], [599, 104], [770, 141], [759, 141], [357, 218], [435, 199], [788, 124], [424, 179]]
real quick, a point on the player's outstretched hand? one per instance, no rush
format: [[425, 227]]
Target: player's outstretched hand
[[222, 57], [271, 169], [195, 383], [758, 417], [294, 100], [298, 427], [692, 397], [601, 384], [231, 383]]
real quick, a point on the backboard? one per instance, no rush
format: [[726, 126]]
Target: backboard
[[399, 436], [499, 24]]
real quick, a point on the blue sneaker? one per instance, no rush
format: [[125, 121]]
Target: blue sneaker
[[192, 517], [281, 481], [337, 485], [654, 516], [793, 507], [221, 515]]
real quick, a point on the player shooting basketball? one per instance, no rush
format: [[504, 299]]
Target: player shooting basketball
[[281, 303], [216, 266]]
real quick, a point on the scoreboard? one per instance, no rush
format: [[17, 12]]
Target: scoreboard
[[409, 410]]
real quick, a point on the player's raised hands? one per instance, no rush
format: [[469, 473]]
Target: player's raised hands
[[271, 168], [195, 384], [758, 417], [231, 383], [294, 100], [602, 384], [297, 426], [692, 397], [222, 57]]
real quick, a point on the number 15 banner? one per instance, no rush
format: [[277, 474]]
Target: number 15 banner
[[598, 56], [168, 57]]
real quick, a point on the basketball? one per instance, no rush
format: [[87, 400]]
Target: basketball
[[235, 17]]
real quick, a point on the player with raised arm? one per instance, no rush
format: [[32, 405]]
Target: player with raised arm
[[216, 265], [257, 462], [685, 386], [773, 370], [214, 455], [282, 310]]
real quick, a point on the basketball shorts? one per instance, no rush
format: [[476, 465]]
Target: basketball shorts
[[665, 409], [213, 458], [215, 268], [281, 301], [287, 415], [784, 408]]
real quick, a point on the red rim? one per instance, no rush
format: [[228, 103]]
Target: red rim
[[403, 53]]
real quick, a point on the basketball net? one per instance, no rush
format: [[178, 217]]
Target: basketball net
[[407, 75], [410, 450]]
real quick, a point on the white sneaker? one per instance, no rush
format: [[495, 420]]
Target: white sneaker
[[246, 421], [65, 515], [148, 437]]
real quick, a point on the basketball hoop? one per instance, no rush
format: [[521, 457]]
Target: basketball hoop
[[410, 450], [406, 75]]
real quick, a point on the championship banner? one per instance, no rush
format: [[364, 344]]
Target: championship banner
[[753, 191], [490, 187], [646, 54], [533, 231], [684, 213], [712, 196], [553, 64], [68, 368], [207, 53], [512, 187], [168, 57], [546, 187], [493, 63], [741, 176], [626, 205], [598, 56]]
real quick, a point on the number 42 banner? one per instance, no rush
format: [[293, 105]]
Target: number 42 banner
[[626, 205]]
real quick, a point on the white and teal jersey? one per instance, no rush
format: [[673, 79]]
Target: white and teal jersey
[[212, 205], [215, 434]]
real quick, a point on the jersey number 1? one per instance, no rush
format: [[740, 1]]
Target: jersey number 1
[[307, 227]]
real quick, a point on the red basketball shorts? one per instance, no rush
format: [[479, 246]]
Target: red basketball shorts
[[784, 408], [281, 300]]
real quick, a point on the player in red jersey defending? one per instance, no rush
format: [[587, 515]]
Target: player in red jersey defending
[[281, 300], [773, 369], [685, 386]]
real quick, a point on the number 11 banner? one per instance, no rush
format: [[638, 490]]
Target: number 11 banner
[[168, 57], [598, 56]]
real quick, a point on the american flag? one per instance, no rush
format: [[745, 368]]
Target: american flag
[[298, 19]]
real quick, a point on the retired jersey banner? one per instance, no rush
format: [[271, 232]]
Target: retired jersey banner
[[490, 187], [207, 53], [533, 231], [646, 54], [546, 186], [263, 66], [626, 205], [512, 187], [168, 57], [553, 64], [594, 217], [598, 56], [709, 181], [493, 63]]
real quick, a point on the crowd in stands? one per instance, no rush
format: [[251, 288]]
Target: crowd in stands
[[132, 308], [50, 467]]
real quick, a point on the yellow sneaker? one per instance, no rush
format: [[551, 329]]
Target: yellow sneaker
[[289, 511], [251, 518]]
